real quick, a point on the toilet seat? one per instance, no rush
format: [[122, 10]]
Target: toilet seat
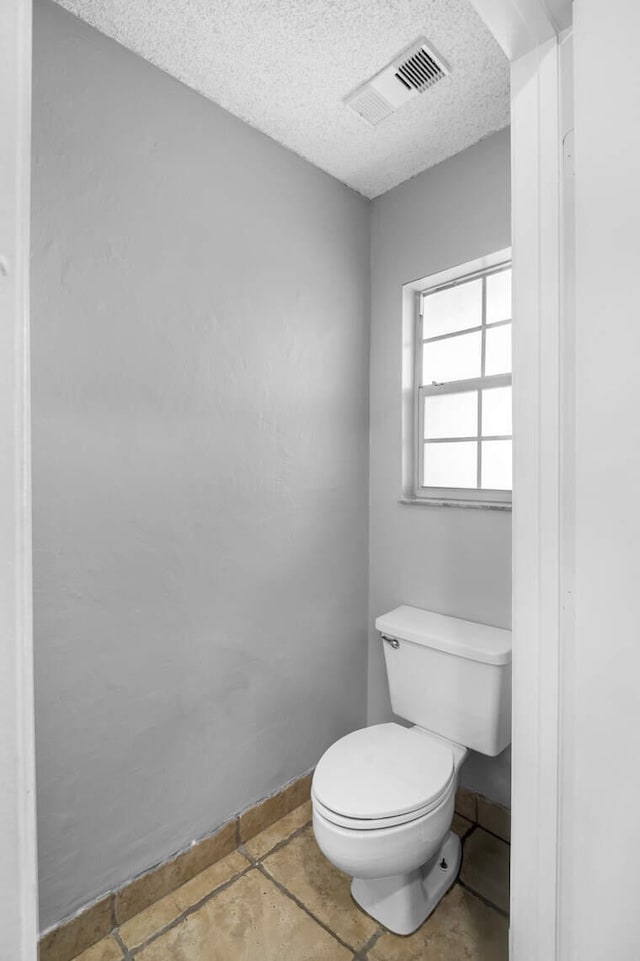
[[374, 824], [383, 776]]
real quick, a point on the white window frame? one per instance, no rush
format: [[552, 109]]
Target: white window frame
[[483, 268]]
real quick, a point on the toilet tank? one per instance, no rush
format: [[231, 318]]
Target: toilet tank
[[450, 676]]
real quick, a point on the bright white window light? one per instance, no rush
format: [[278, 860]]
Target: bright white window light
[[463, 390]]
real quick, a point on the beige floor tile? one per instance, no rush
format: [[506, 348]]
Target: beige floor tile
[[485, 867], [494, 818], [167, 909], [264, 842], [460, 825], [73, 937], [303, 870], [461, 928], [271, 809], [466, 804], [249, 921], [106, 950]]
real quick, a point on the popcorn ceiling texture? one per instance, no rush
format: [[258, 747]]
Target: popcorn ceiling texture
[[284, 66]]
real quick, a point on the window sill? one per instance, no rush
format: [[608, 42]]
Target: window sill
[[466, 505]]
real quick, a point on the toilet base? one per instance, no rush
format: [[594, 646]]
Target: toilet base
[[402, 903]]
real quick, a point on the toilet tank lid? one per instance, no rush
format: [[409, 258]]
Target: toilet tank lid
[[476, 642]]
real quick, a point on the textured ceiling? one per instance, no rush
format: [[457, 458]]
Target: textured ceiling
[[285, 65]]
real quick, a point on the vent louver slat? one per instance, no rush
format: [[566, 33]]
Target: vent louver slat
[[419, 71]]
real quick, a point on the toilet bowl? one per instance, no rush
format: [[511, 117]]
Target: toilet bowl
[[383, 797], [386, 823]]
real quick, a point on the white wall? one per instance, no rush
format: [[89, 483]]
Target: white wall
[[200, 344], [600, 836], [449, 560]]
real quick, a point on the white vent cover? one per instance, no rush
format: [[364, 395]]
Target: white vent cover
[[411, 73]]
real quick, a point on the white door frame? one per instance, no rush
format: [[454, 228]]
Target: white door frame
[[18, 884], [529, 32]]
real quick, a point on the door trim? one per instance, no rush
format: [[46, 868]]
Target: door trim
[[529, 33], [18, 877]]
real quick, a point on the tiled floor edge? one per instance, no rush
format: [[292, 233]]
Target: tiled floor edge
[[265, 812], [79, 931], [94, 921], [490, 815]]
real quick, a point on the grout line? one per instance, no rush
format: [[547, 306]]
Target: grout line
[[361, 955], [251, 863], [304, 907], [471, 830], [483, 898], [190, 910], [492, 833], [463, 837], [280, 844], [247, 854], [472, 826], [126, 955]]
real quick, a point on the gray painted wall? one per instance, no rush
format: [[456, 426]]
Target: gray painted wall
[[444, 559], [200, 351]]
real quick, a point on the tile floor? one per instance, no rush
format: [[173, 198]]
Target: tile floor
[[278, 899]]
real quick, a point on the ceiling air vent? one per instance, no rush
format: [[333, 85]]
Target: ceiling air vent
[[420, 70], [411, 73]]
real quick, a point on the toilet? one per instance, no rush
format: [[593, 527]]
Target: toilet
[[383, 796]]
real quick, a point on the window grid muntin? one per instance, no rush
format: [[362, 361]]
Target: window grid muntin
[[467, 330], [471, 437], [461, 386], [483, 359]]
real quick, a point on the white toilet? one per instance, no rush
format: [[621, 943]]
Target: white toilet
[[383, 796]]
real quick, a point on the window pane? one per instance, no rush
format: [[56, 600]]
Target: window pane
[[499, 297], [496, 411], [457, 358], [451, 465], [498, 350], [455, 308], [496, 464], [451, 415]]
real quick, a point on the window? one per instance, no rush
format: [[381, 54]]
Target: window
[[463, 387]]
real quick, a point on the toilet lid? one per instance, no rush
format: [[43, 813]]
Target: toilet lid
[[383, 771]]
